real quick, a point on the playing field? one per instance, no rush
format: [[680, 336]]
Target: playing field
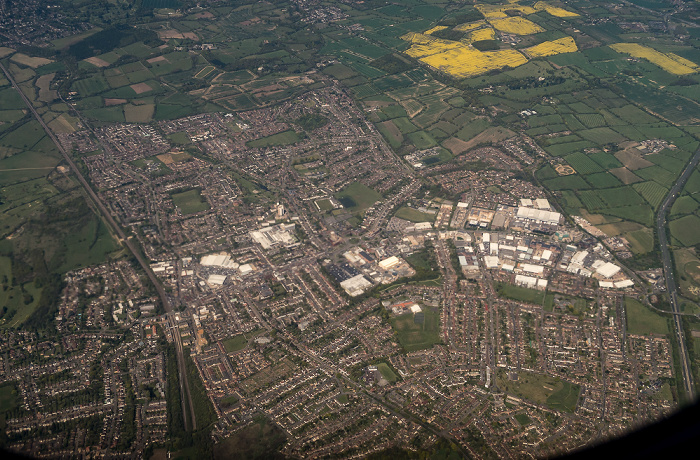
[[418, 331], [190, 202], [641, 320], [357, 197]]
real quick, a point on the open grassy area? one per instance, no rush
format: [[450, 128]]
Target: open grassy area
[[414, 215], [386, 372], [418, 331], [522, 294], [641, 320], [235, 343], [190, 202], [543, 389], [261, 439], [8, 397], [283, 138], [357, 197]]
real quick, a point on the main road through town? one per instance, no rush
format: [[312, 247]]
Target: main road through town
[[671, 288], [191, 423]]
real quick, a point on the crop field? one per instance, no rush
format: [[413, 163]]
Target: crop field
[[91, 86], [685, 229], [658, 174], [582, 164], [551, 48], [670, 62], [603, 180], [554, 11], [641, 241], [591, 200], [404, 125], [684, 205], [632, 160], [422, 140], [572, 182], [459, 59], [652, 192], [481, 34]]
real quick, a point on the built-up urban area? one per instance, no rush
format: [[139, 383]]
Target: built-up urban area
[[273, 260]]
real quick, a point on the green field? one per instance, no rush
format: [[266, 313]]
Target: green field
[[190, 202], [9, 398], [685, 229], [357, 197], [283, 138], [235, 343], [641, 320], [386, 372], [542, 389], [414, 215], [521, 294], [414, 334]]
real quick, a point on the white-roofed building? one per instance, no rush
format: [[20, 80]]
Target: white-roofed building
[[216, 280], [389, 263], [527, 281], [355, 285], [608, 270], [491, 261], [531, 268]]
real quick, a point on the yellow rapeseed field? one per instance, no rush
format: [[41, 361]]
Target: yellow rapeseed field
[[554, 11], [470, 26], [459, 59], [668, 61], [482, 34], [434, 29], [498, 11], [516, 25], [562, 45]]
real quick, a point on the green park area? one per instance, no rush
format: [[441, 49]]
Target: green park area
[[553, 392], [357, 197], [284, 138], [8, 397], [417, 331], [642, 320], [414, 215], [235, 343], [190, 201], [386, 372]]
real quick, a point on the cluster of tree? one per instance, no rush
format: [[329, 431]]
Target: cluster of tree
[[111, 38], [486, 45], [465, 15], [312, 121], [535, 82], [391, 63], [449, 34]]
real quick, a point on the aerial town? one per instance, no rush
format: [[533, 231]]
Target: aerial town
[[284, 276]]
